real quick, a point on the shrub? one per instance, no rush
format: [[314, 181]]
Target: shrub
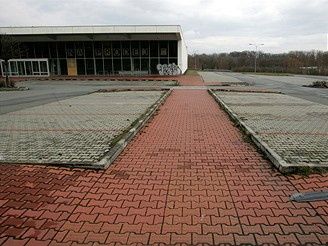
[[320, 84]]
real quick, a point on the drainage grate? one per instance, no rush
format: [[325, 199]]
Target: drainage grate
[[310, 196]]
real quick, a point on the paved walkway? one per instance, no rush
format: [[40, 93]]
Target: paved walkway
[[188, 177]]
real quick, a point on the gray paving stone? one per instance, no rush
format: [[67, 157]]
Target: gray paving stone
[[74, 130], [296, 129], [217, 77]]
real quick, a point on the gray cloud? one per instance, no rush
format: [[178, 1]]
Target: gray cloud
[[209, 25]]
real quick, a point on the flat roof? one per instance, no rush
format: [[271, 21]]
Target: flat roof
[[98, 32]]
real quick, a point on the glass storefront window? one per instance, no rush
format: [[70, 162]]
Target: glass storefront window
[[63, 67], [102, 57], [163, 49], [53, 50], [43, 68], [98, 49], [117, 65], [173, 48], [38, 50], [135, 49], [126, 49], [173, 60], [153, 48], [80, 66], [88, 47], [135, 66], [21, 68], [44, 50], [28, 66], [107, 49], [145, 65], [70, 50], [153, 66], [90, 67], [116, 49], [61, 50], [126, 64], [30, 50], [99, 66], [13, 68], [36, 69], [164, 61], [79, 49], [107, 66], [144, 46]]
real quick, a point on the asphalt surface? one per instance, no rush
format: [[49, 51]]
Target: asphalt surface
[[43, 92], [290, 85]]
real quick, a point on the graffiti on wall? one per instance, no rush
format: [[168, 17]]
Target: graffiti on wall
[[168, 69]]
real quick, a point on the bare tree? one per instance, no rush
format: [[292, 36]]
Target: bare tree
[[9, 49], [309, 62]]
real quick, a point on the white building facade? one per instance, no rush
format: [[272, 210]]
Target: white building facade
[[98, 50]]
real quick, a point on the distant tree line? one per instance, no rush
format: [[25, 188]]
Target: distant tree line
[[297, 62]]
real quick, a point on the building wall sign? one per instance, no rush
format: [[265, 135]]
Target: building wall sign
[[98, 52], [79, 52], [117, 52], [144, 52]]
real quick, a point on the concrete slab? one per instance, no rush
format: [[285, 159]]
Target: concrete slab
[[292, 131], [210, 77], [80, 131]]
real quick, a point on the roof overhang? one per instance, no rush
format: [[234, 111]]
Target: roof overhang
[[95, 33]]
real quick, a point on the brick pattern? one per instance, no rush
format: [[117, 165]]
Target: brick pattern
[[188, 177]]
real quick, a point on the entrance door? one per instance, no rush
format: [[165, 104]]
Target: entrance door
[[71, 67]]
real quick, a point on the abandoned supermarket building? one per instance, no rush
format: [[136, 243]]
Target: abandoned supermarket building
[[98, 50]]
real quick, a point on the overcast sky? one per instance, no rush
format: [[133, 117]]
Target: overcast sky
[[209, 26]]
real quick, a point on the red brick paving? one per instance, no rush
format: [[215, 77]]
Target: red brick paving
[[188, 177]]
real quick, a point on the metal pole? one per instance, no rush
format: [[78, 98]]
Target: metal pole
[[195, 59], [256, 54], [255, 57]]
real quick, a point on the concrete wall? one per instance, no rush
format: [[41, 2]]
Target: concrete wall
[[182, 56], [102, 29]]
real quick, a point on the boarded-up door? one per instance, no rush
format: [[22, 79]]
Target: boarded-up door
[[71, 66]]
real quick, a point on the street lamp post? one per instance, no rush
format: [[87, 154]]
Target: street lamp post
[[256, 54], [195, 53]]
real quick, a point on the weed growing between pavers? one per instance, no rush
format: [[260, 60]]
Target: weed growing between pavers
[[246, 136], [307, 171], [120, 136], [65, 135], [318, 84], [268, 74], [192, 72]]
